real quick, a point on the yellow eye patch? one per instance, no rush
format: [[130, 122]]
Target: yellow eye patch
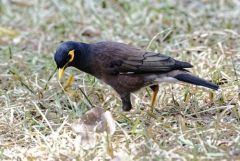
[[61, 70], [71, 53]]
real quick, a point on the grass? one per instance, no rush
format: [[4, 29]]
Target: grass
[[191, 123]]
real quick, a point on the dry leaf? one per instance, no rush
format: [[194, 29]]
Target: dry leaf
[[95, 120]]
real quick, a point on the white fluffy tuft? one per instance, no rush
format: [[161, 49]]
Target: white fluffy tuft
[[165, 79]]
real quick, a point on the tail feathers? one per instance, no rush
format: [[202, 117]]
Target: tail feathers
[[188, 78]]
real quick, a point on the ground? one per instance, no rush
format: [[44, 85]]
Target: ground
[[191, 123]]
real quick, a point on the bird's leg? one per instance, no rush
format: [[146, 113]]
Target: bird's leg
[[126, 102], [155, 89]]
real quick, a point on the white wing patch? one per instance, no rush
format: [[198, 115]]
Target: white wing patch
[[165, 79]]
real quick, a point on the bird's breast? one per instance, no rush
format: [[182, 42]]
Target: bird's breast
[[128, 83]]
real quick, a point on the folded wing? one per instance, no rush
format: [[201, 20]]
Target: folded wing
[[150, 62], [128, 59]]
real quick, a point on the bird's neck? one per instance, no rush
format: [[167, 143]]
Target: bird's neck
[[83, 58]]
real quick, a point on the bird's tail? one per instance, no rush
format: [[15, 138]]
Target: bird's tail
[[189, 78]]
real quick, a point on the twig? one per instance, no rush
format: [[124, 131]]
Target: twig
[[50, 77], [155, 37], [86, 97], [43, 116], [23, 83], [10, 52]]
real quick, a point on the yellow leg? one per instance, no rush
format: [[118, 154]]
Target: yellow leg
[[155, 89]]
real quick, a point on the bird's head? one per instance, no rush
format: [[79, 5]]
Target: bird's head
[[66, 56]]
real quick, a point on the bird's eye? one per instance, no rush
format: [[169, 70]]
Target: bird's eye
[[71, 55]]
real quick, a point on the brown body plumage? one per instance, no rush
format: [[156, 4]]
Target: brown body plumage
[[125, 68]]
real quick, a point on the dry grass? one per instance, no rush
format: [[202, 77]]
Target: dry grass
[[191, 124]]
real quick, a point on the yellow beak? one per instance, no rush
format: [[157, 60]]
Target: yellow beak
[[61, 70], [60, 73]]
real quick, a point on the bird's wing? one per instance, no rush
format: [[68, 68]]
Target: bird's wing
[[127, 59], [147, 62]]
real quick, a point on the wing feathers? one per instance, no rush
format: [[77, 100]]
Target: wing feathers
[[128, 68], [151, 62], [125, 58], [155, 58], [148, 54], [134, 58], [135, 63]]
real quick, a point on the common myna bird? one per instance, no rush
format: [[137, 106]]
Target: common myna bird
[[125, 68]]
